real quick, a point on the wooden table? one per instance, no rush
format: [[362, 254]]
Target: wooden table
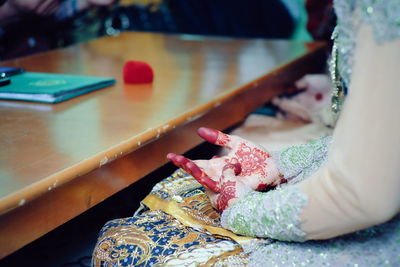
[[57, 161]]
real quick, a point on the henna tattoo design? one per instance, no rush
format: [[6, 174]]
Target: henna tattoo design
[[252, 160], [223, 139], [228, 191]]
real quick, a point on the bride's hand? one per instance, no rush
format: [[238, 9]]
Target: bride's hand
[[230, 188], [254, 167]]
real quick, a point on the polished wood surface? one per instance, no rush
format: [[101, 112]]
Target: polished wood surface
[[56, 161]]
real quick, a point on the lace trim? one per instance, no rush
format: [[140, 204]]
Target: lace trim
[[298, 162], [274, 214]]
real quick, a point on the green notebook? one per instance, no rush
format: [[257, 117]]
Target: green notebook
[[49, 87]]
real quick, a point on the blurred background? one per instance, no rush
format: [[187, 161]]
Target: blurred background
[[30, 26]]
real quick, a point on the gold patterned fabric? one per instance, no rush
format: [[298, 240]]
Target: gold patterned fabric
[[175, 226]]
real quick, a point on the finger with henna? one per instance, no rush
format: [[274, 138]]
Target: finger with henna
[[191, 168]]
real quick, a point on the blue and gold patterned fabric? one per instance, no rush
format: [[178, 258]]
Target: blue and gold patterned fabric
[[175, 226]]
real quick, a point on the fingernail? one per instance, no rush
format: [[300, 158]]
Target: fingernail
[[179, 158], [211, 135], [189, 165]]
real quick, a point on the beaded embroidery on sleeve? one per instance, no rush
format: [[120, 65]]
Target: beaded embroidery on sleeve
[[300, 161], [275, 214]]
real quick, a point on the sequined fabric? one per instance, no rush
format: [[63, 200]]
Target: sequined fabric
[[300, 161], [274, 214], [377, 246], [384, 18]]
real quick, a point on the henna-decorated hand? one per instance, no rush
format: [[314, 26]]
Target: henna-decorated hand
[[230, 188], [254, 167]]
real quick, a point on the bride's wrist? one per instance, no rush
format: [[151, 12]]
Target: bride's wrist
[[281, 174]]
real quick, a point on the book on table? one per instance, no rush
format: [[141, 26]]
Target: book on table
[[50, 87]]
